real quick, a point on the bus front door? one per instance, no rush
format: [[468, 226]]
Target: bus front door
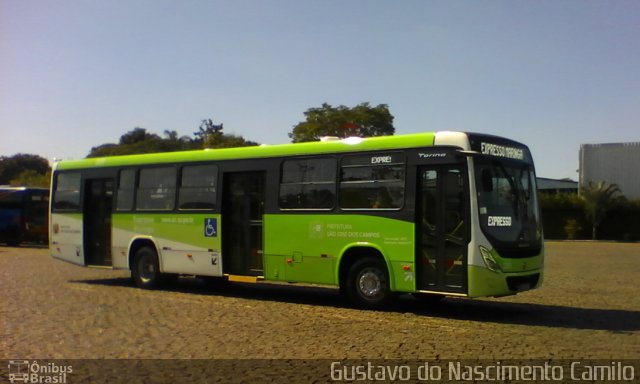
[[442, 227], [243, 199], [98, 204]]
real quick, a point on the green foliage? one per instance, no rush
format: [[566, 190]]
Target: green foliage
[[557, 210], [621, 222], [565, 216], [206, 129], [219, 140], [362, 120], [137, 135], [138, 141], [32, 178], [572, 227], [599, 198], [22, 168], [561, 200]]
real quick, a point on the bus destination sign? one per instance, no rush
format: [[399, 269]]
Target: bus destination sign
[[501, 151]]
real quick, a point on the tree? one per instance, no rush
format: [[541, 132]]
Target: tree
[[137, 135], [211, 136], [362, 120], [12, 167], [31, 178], [181, 143], [227, 141], [138, 140], [599, 198], [207, 128]]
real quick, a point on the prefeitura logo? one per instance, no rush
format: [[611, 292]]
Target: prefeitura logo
[[25, 371]]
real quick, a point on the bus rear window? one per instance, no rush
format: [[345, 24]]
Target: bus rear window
[[66, 196]]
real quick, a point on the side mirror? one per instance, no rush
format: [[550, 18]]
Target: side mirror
[[487, 180]]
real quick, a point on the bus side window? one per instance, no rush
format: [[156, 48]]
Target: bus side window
[[372, 182], [126, 189], [198, 187], [308, 184], [67, 191], [157, 189]]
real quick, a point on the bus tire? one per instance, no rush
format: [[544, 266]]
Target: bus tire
[[367, 284], [145, 270]]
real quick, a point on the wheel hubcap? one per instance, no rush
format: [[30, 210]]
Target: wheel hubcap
[[147, 269], [369, 284]]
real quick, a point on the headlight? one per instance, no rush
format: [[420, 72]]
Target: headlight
[[489, 261]]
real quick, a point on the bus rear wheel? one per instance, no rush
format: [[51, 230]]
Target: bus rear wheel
[[145, 270], [367, 284]]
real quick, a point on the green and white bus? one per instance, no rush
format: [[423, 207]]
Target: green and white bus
[[434, 214]]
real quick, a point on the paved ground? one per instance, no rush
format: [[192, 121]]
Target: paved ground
[[589, 307]]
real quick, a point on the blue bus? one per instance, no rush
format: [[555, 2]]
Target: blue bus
[[24, 215]]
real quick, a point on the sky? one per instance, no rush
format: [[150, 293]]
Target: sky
[[75, 74]]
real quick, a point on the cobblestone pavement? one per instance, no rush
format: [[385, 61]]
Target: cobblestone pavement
[[588, 307]]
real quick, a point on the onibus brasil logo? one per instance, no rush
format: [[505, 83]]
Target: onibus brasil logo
[[25, 371]]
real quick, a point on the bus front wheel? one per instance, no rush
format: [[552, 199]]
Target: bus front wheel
[[367, 284], [145, 270]]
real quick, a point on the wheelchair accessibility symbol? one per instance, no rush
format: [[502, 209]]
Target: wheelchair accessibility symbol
[[211, 227]]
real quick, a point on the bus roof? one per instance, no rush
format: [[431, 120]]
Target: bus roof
[[349, 144]]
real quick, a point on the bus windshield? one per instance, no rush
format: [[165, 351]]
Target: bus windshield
[[508, 205]]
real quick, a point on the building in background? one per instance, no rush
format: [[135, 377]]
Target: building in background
[[549, 186], [615, 163]]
